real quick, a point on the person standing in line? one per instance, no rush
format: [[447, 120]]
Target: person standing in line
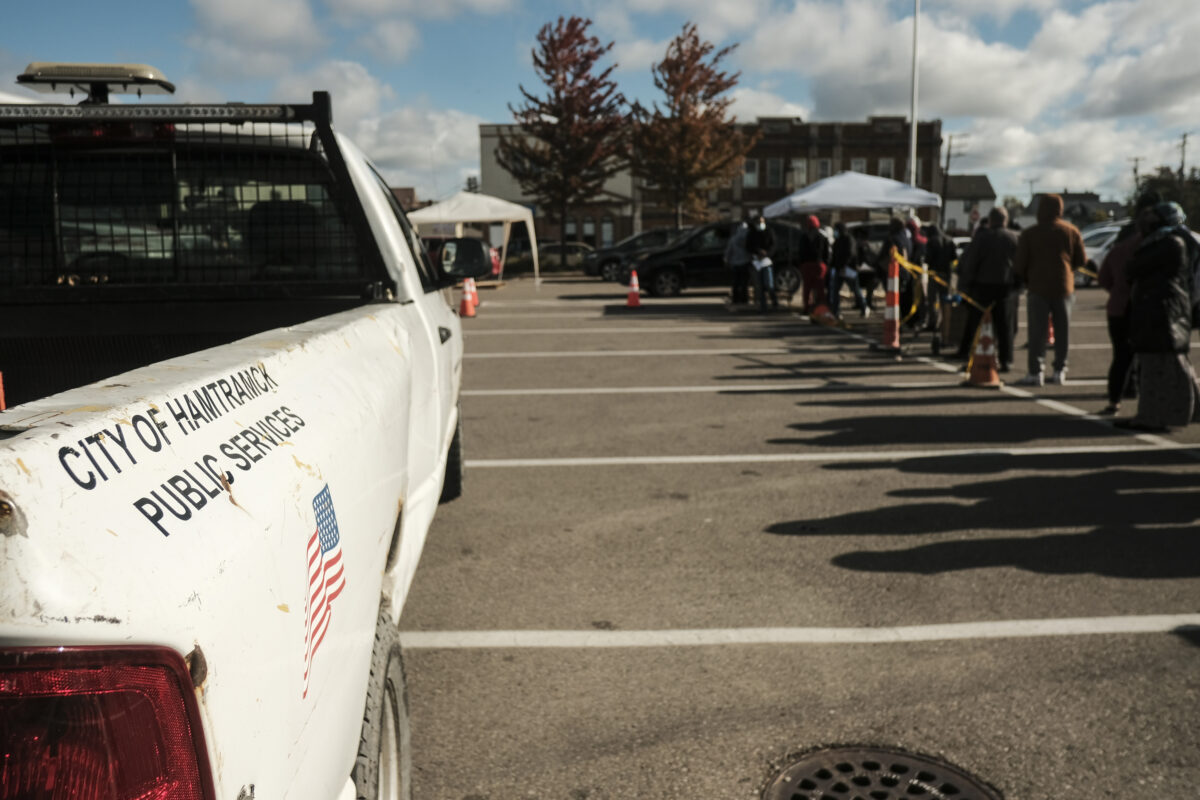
[[760, 244], [939, 255], [986, 270], [868, 266], [1160, 321], [843, 267], [1047, 256], [813, 255], [1113, 278], [737, 258]]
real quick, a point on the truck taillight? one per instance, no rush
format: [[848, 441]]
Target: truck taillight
[[91, 723]]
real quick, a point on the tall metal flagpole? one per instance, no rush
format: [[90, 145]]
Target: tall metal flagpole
[[912, 135]]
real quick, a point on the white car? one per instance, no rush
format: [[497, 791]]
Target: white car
[[1097, 241], [220, 462]]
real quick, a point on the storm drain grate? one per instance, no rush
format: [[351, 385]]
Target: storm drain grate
[[862, 773]]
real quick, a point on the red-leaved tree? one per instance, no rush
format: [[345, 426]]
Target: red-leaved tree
[[574, 137], [689, 145]]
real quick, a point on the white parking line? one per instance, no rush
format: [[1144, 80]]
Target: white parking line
[[697, 637], [822, 458], [745, 388]]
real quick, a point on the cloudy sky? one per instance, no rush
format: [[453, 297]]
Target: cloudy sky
[[1062, 93]]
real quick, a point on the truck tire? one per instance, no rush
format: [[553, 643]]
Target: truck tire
[[383, 769], [452, 484]]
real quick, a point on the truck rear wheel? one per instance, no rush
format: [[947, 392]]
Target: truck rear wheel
[[383, 769], [452, 484]]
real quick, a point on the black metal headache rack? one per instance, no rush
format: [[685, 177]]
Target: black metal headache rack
[[179, 201]]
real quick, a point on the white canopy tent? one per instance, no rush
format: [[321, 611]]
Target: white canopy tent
[[467, 207], [852, 190]]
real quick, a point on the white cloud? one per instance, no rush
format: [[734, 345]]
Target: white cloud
[[222, 59], [999, 10], [751, 103], [439, 9], [275, 24], [431, 149], [392, 40], [1151, 68], [357, 94], [860, 64], [715, 19], [638, 55], [1080, 155]]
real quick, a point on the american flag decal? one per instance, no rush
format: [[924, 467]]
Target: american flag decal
[[326, 578]]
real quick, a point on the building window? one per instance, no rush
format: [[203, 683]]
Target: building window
[[967, 206], [750, 174], [774, 173], [887, 168], [572, 227], [589, 231], [606, 232], [799, 172], [858, 165], [824, 168]]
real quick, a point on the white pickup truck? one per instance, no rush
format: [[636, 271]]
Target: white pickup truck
[[232, 380]]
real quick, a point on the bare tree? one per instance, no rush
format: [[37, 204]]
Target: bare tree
[[691, 143], [573, 138]]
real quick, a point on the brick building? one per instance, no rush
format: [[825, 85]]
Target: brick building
[[788, 155]]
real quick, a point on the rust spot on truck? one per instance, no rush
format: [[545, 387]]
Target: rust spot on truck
[[197, 667], [225, 485], [306, 467], [12, 519], [24, 468]]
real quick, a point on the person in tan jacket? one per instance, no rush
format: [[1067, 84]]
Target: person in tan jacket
[[1047, 255]]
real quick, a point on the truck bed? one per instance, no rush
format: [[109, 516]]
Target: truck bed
[[46, 349]]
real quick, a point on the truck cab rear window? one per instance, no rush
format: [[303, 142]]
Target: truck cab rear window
[[192, 204]]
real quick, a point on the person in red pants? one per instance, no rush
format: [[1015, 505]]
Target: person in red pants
[[813, 255]]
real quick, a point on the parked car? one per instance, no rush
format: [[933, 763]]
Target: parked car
[[698, 259], [607, 261], [1097, 241], [520, 258]]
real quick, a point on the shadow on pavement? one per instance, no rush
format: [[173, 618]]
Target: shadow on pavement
[[1189, 633], [943, 430], [1143, 525], [1110, 552], [995, 463]]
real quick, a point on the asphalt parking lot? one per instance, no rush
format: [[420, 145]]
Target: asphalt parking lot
[[697, 542]]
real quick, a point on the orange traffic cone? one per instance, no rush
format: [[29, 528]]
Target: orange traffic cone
[[891, 309], [982, 370], [466, 308], [634, 300], [470, 283]]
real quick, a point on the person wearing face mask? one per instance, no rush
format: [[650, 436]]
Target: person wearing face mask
[[760, 243], [1160, 320], [813, 255]]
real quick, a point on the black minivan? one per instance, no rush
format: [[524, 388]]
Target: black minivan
[[698, 259]]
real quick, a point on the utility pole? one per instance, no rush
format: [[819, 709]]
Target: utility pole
[[912, 136], [946, 171], [1182, 156], [1136, 160]]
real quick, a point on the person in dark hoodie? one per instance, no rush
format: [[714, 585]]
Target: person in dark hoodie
[[1047, 256], [986, 273], [1113, 278], [1160, 321]]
